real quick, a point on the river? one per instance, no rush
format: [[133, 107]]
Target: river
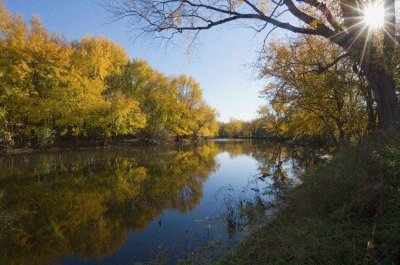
[[131, 205]]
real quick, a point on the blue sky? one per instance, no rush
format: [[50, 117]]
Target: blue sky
[[221, 61]]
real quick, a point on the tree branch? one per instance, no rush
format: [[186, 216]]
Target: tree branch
[[325, 11], [322, 69], [321, 29]]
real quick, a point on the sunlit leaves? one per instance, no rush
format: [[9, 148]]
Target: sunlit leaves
[[193, 115], [123, 117], [88, 88], [99, 57], [307, 100], [174, 106]]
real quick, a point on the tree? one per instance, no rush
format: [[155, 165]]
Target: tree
[[206, 122], [53, 90], [273, 121], [174, 106], [101, 107], [156, 94], [234, 128], [123, 117], [35, 76], [193, 116], [339, 21], [332, 103], [6, 135]]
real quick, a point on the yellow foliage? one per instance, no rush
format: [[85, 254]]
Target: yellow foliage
[[308, 101], [89, 88]]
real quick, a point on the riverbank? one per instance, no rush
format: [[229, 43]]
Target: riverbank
[[345, 212], [83, 144], [98, 144]]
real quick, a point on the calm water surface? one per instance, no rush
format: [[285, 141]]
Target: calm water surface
[[129, 205]]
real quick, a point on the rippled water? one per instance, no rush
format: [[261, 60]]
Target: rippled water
[[130, 205]]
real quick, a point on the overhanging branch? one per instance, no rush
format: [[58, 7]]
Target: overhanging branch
[[322, 69]]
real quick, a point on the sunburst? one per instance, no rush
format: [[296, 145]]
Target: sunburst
[[372, 22], [374, 16]]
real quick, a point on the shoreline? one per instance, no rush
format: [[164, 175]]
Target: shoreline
[[92, 144], [345, 210]]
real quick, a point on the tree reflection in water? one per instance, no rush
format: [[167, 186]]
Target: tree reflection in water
[[85, 202], [280, 167]]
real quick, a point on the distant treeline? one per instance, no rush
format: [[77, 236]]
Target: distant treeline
[[235, 128], [53, 90]]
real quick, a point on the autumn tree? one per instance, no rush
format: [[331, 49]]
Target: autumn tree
[[234, 128], [51, 88], [174, 106], [35, 77], [55, 90], [259, 128], [100, 113], [256, 128], [273, 120], [339, 21], [334, 102], [207, 125], [194, 117], [156, 94]]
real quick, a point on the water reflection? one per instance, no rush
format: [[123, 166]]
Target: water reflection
[[79, 207], [86, 202], [279, 168], [278, 164]]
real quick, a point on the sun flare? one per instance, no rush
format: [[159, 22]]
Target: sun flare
[[374, 16]]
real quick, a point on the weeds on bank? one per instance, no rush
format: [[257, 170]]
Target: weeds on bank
[[345, 212]]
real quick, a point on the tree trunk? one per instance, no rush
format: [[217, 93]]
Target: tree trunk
[[375, 58], [369, 100], [387, 107]]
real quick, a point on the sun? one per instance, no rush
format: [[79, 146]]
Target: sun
[[374, 16]]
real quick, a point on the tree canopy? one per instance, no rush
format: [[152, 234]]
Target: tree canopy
[[341, 22], [335, 103], [55, 90]]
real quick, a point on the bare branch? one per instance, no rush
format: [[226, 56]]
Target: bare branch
[[322, 69], [194, 15]]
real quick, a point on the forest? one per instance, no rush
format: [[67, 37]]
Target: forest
[[331, 91], [54, 90], [57, 91]]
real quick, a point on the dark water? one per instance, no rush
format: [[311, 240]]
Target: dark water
[[124, 206]]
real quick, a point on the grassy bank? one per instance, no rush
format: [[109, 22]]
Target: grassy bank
[[345, 212]]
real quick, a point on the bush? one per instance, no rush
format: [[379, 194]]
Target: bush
[[44, 136]]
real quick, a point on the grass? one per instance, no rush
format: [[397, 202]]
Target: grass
[[345, 212]]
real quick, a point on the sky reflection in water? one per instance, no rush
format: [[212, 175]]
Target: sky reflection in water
[[121, 206]]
